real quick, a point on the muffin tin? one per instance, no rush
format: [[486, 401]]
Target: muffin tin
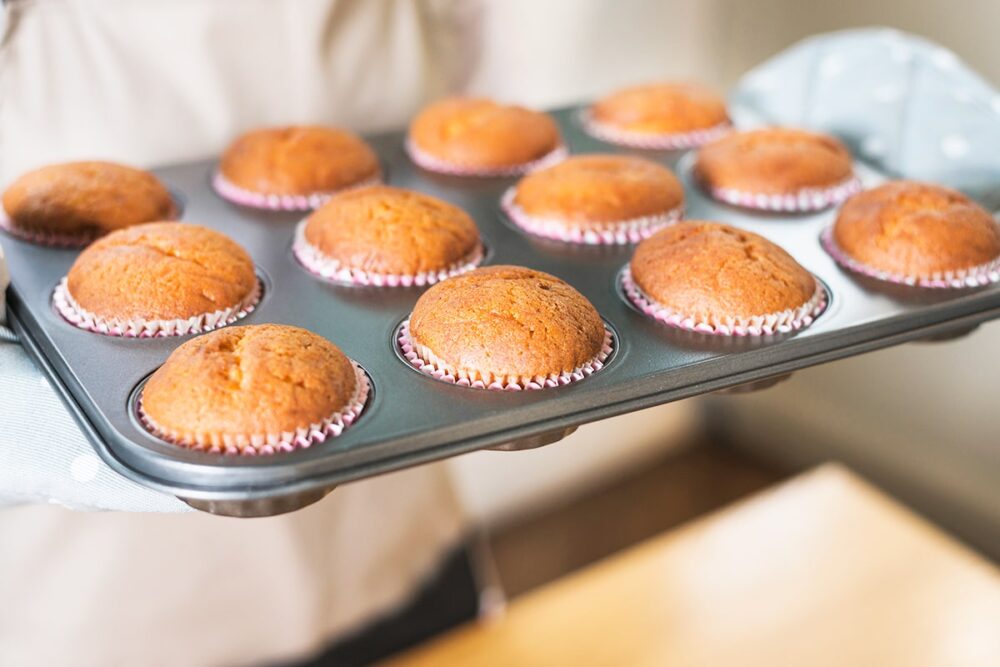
[[411, 418]]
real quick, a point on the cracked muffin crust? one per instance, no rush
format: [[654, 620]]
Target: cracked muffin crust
[[507, 322], [161, 271], [387, 230], [85, 200], [716, 273], [298, 160], [591, 191], [242, 382], [479, 133], [773, 161], [661, 109], [917, 230]]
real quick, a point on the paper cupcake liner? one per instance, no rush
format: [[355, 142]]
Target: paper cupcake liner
[[430, 364], [268, 443], [976, 276], [429, 162], [54, 239], [319, 264], [273, 202], [652, 141], [760, 325], [81, 318], [610, 233], [805, 200]]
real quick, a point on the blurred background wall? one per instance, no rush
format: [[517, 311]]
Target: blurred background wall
[[920, 419]]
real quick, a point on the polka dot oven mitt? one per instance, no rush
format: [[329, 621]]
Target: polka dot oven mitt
[[905, 105]]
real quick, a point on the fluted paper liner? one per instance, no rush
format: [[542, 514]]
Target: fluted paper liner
[[82, 318], [664, 141], [425, 160], [805, 200], [328, 268], [267, 443], [785, 321], [975, 276], [428, 363], [275, 202], [620, 232]]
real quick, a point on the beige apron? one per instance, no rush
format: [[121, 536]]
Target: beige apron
[[152, 82]]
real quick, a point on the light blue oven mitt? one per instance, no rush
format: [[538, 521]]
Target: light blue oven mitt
[[908, 106]]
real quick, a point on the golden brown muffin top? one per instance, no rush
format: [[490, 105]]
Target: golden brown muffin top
[[298, 160], [662, 108], [161, 270], [86, 198], [587, 190], [773, 161], [711, 271], [248, 380], [478, 132], [916, 229], [508, 321], [391, 230]]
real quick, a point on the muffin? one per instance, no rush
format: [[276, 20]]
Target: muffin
[[661, 116], [158, 279], [73, 203], [777, 169], [479, 137], [256, 389], [294, 168], [387, 236], [596, 199], [917, 234], [505, 327], [716, 279]]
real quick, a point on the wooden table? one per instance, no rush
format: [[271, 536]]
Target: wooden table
[[821, 570]]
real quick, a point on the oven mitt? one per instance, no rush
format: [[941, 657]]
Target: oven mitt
[[907, 106], [44, 457]]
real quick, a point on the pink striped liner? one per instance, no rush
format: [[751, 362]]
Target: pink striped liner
[[621, 232], [976, 276], [333, 270], [82, 318], [761, 325], [806, 200], [268, 443], [651, 141], [274, 202], [425, 160], [428, 363]]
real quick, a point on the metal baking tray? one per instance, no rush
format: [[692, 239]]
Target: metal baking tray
[[410, 418]]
